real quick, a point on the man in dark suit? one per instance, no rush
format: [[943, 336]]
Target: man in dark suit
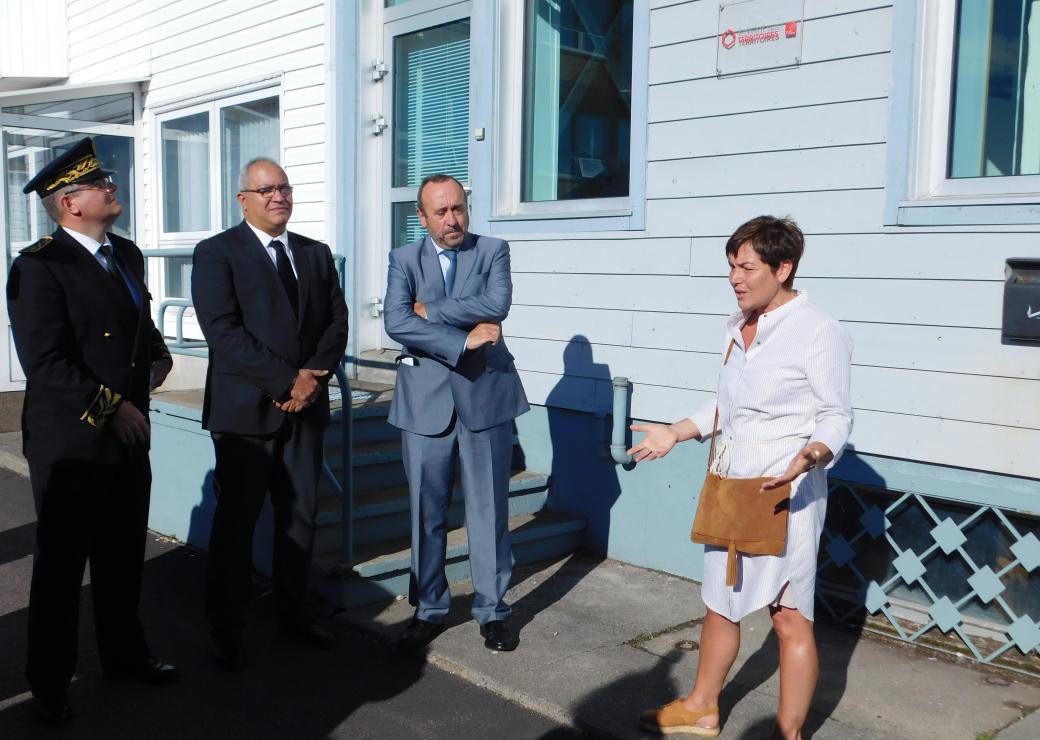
[[85, 338], [270, 306], [457, 395]]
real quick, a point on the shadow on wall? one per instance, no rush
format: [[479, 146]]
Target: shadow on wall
[[583, 480]]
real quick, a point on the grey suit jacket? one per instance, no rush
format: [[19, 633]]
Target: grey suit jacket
[[437, 376]]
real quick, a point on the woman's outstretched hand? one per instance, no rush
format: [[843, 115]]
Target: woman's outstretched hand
[[658, 442]]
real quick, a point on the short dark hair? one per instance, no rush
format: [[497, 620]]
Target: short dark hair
[[775, 240], [437, 179]]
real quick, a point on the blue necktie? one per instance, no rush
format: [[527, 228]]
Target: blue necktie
[[449, 274]]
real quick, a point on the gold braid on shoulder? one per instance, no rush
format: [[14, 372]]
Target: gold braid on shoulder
[[102, 408]]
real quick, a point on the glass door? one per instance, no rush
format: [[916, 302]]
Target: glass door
[[428, 99]]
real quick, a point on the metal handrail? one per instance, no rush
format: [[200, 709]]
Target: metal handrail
[[344, 486]]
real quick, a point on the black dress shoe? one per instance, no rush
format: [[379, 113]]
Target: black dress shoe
[[418, 634], [498, 636], [229, 652], [309, 634], [149, 670], [52, 710]]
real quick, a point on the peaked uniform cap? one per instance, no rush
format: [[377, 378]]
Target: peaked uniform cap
[[78, 164]]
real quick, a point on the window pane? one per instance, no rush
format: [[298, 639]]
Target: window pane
[[995, 125], [248, 131], [28, 151], [577, 99], [431, 104], [178, 277], [405, 226], [185, 152], [103, 109]]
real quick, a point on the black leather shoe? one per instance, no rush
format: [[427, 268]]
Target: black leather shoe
[[229, 653], [308, 634], [52, 710], [150, 670], [418, 634], [498, 636]]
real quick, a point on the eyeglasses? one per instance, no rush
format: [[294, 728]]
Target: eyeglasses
[[105, 184], [268, 191]]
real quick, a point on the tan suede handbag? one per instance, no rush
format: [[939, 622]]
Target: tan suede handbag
[[736, 514]]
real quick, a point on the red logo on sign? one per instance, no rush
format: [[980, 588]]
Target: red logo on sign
[[791, 29], [729, 39]]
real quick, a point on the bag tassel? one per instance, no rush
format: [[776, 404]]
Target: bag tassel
[[731, 565]]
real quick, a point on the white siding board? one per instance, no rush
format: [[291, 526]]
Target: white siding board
[[858, 78], [550, 322], [977, 304], [563, 391], [302, 78], [304, 136], [838, 124], [838, 168], [922, 256], [299, 117], [613, 256], [843, 211], [242, 50], [661, 403], [309, 174], [825, 39], [294, 156], [308, 212], [1007, 402], [304, 97]]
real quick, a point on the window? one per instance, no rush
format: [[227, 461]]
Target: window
[[964, 139], [577, 99], [571, 105], [202, 152]]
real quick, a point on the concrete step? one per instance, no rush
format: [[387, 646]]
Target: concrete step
[[381, 571], [385, 513]]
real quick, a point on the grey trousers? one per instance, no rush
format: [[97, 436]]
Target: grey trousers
[[483, 460]]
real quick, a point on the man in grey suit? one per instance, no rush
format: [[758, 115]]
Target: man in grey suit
[[457, 394]]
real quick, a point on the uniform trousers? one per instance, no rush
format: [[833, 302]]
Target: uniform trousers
[[288, 466], [96, 512]]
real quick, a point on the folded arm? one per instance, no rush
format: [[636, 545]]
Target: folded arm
[[491, 305]]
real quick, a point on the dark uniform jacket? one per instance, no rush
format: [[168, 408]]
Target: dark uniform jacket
[[256, 345], [83, 344]]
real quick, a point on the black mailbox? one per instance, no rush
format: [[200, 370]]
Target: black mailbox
[[1021, 302]]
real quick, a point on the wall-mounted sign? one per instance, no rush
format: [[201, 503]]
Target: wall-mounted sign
[[756, 35]]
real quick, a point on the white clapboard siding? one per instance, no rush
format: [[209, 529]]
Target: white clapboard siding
[[563, 324], [309, 174], [305, 135], [836, 124], [297, 155], [569, 392], [858, 78], [935, 302], [906, 346], [684, 21], [304, 97], [305, 77], [1012, 402], [696, 370], [615, 256], [948, 442], [842, 211], [298, 117], [833, 168], [924, 256], [824, 39]]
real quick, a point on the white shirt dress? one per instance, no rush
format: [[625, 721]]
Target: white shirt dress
[[789, 388]]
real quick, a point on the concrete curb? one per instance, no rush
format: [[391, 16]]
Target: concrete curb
[[14, 463]]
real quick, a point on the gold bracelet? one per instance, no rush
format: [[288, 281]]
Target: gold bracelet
[[816, 454]]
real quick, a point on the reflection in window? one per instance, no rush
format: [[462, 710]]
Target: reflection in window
[[185, 153], [995, 126], [431, 104], [406, 225], [577, 99], [248, 131]]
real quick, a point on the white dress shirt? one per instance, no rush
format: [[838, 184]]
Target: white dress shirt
[[91, 244], [789, 388], [266, 240]]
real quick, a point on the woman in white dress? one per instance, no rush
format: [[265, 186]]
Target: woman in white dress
[[783, 411]]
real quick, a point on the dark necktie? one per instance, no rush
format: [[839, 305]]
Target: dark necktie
[[449, 274], [112, 265], [285, 272]]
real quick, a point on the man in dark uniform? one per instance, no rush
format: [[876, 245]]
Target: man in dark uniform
[[91, 354]]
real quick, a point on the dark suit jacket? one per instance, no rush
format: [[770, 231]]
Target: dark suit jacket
[[256, 345], [440, 377], [83, 345]]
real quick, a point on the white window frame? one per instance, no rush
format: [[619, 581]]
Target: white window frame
[[509, 213], [918, 191], [213, 108]]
